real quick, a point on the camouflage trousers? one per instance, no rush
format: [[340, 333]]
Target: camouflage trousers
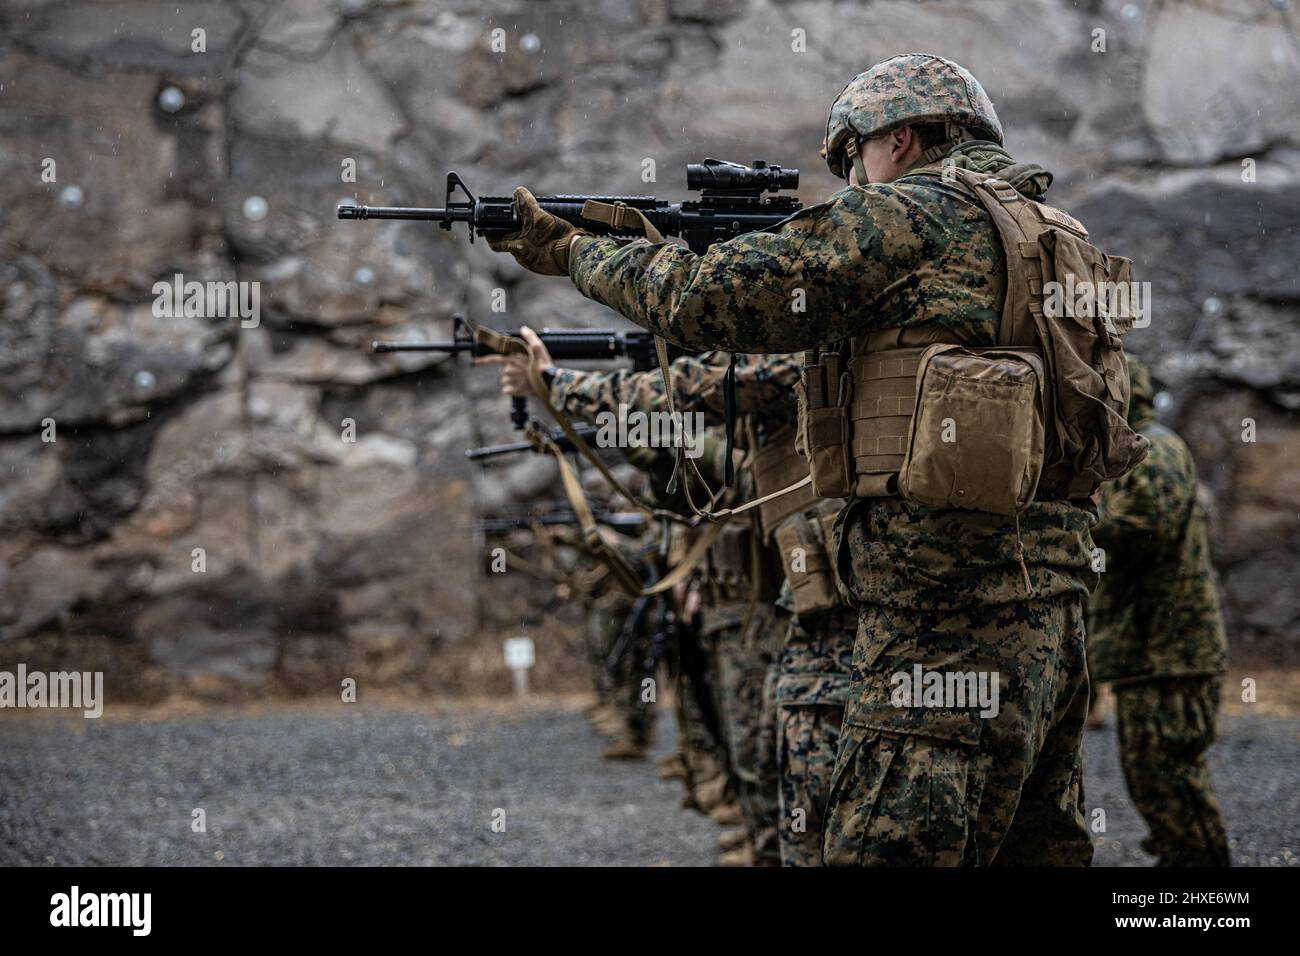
[[1165, 727], [812, 688], [697, 739], [941, 785], [618, 683], [605, 617], [746, 694]]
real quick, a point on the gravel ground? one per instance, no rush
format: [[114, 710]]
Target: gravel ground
[[311, 786]]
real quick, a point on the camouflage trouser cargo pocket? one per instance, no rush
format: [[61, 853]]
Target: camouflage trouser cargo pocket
[[989, 775], [806, 747], [907, 795]]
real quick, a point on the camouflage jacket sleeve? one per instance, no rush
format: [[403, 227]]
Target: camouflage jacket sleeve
[[1156, 610], [874, 257], [1138, 509], [764, 385]]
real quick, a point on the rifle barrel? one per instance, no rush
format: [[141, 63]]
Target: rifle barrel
[[586, 431], [614, 519], [355, 211], [574, 345], [496, 451], [451, 348]]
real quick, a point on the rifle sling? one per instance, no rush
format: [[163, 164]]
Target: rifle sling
[[661, 352], [623, 573], [510, 345], [618, 216]]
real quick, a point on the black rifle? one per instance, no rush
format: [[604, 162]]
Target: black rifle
[[585, 431], [503, 524], [634, 625], [638, 624], [563, 344], [731, 203], [591, 345]]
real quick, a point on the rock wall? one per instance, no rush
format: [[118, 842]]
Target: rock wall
[[321, 488]]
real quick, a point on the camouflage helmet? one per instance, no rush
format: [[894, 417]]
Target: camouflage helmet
[[908, 88]]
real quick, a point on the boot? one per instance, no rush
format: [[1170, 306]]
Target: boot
[[727, 814], [624, 748], [1102, 707], [670, 767], [710, 793], [732, 839], [611, 725], [741, 857]]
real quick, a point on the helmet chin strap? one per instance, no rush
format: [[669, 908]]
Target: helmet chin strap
[[953, 135], [852, 149]]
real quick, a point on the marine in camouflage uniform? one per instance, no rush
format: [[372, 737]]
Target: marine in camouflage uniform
[[791, 732], [814, 676], [742, 663], [621, 715], [946, 589], [1155, 631], [618, 648]]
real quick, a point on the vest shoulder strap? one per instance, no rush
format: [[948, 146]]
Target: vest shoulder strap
[[1018, 228]]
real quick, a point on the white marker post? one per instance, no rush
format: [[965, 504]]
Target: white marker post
[[519, 658]]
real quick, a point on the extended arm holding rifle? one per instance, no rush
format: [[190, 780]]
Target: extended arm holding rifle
[[575, 345]]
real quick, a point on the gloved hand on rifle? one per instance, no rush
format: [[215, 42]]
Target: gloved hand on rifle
[[514, 374], [542, 245]]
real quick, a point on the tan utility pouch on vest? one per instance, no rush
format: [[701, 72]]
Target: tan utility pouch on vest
[[728, 567], [777, 465], [804, 542], [824, 392], [951, 426], [880, 415], [976, 439]]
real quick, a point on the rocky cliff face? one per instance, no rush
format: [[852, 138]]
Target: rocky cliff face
[[320, 489]]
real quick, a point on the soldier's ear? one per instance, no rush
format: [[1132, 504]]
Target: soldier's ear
[[900, 140]]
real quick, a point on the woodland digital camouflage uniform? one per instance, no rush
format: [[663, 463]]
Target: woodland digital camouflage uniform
[[740, 661], [946, 589], [813, 683], [744, 656], [804, 693], [618, 687], [763, 386], [1156, 632], [609, 629]]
